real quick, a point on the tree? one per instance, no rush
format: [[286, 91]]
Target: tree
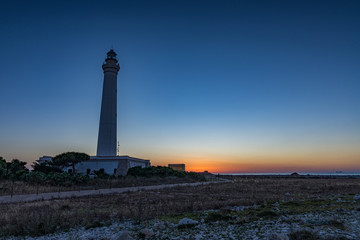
[[16, 168], [2, 167], [46, 167], [69, 159], [37, 178]]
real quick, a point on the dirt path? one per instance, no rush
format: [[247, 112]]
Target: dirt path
[[70, 194]]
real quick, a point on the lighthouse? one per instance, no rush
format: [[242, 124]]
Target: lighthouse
[[106, 159], [106, 145]]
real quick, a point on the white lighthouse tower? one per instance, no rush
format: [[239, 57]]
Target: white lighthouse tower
[[107, 128], [106, 159]]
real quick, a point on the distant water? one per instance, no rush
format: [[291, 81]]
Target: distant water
[[300, 173]]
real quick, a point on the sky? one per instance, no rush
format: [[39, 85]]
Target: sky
[[223, 86]]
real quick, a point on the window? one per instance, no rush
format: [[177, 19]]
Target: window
[[115, 170]]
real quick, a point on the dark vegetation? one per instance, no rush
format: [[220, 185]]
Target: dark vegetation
[[49, 172], [15, 178], [14, 173], [293, 195], [163, 172], [69, 159]]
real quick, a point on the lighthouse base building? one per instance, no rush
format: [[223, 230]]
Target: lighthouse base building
[[117, 165]]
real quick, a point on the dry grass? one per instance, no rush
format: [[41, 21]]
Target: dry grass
[[48, 216], [8, 187]]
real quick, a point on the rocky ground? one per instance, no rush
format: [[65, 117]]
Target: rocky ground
[[334, 218]]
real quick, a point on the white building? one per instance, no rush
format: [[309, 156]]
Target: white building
[[44, 159], [117, 165]]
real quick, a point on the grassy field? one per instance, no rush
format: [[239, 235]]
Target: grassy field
[[49, 216], [8, 187]]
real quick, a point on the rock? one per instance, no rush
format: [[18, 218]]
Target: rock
[[357, 197], [159, 225], [147, 233], [287, 194], [277, 236], [199, 236], [86, 235], [124, 235], [339, 200], [164, 236], [187, 223]]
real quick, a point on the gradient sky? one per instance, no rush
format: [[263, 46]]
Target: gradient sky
[[224, 86]]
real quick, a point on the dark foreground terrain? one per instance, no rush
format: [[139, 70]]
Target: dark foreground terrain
[[246, 208]]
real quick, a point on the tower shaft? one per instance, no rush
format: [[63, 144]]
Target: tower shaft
[[107, 127]]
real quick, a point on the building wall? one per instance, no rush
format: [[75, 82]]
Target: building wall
[[135, 164], [110, 167], [117, 165]]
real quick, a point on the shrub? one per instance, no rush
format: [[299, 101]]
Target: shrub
[[59, 179], [2, 168], [103, 175], [215, 216], [267, 214], [79, 178], [34, 177], [162, 172]]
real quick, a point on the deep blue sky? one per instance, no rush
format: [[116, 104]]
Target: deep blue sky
[[251, 85]]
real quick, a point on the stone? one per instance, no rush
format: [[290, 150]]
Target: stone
[[357, 197], [340, 200], [124, 235], [276, 209], [147, 233], [186, 223], [159, 225]]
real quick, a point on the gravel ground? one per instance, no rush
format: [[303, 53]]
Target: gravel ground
[[336, 218]]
